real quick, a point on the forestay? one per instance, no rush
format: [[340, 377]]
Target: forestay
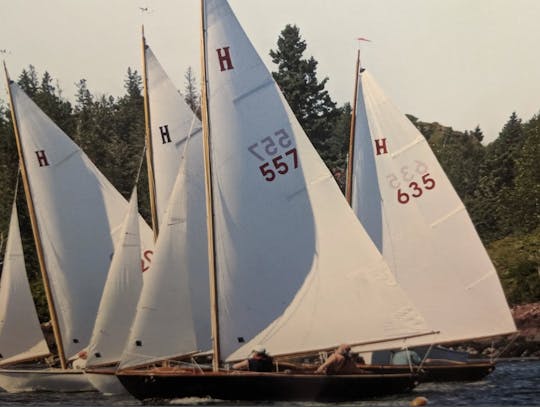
[[21, 337], [295, 269], [79, 215], [120, 295], [173, 313], [412, 212]]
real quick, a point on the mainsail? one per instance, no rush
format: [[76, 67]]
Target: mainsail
[[120, 295], [413, 214], [295, 269], [173, 313], [21, 337], [78, 217]]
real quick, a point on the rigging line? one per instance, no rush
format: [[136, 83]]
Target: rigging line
[[141, 162]]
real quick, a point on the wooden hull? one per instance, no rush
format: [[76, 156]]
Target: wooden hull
[[57, 380], [448, 372], [264, 386]]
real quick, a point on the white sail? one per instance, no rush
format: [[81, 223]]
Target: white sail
[[120, 295], [295, 269], [173, 313], [171, 123], [79, 215], [21, 337], [412, 212]]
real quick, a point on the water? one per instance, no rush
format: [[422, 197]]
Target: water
[[513, 383]]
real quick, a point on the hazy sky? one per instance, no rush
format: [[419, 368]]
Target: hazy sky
[[459, 62]]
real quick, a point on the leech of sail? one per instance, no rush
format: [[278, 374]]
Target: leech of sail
[[350, 160], [149, 146]]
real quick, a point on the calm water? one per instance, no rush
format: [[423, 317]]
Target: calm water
[[513, 383]]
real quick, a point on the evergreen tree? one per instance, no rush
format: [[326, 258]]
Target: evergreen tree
[[526, 210], [191, 95], [28, 81], [494, 203], [310, 102]]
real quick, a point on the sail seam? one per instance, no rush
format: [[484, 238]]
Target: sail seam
[[408, 146], [447, 216], [254, 90]]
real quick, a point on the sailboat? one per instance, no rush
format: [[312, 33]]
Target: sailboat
[[117, 306], [414, 216], [291, 267], [175, 300], [174, 152], [21, 337], [76, 216]]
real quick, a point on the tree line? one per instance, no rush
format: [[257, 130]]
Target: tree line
[[499, 182]]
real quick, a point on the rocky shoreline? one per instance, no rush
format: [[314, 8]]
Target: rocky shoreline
[[525, 344]]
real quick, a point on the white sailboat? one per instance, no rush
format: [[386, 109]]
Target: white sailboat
[[291, 266], [117, 307], [412, 213], [21, 337], [76, 216], [175, 300]]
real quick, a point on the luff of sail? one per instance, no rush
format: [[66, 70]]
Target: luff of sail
[[21, 337], [174, 300], [410, 209], [295, 269], [79, 214], [120, 295]]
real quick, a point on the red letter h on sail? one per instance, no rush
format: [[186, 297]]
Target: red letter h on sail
[[380, 146], [224, 57], [42, 158]]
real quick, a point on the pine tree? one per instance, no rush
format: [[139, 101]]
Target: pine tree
[[191, 95], [297, 78]]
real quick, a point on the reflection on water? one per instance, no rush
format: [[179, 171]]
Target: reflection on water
[[513, 383]]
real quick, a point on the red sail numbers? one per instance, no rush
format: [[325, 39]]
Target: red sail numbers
[[412, 181], [267, 150]]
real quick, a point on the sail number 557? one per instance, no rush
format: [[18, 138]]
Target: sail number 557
[[267, 150]]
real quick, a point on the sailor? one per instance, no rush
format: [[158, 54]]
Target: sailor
[[341, 361], [259, 361]]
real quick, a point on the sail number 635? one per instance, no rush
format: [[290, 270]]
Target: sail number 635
[[415, 190]]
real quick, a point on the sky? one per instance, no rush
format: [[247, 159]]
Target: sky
[[461, 63]]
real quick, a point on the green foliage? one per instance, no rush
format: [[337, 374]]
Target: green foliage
[[517, 259]]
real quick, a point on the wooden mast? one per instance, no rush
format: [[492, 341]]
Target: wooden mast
[[350, 160], [209, 197], [35, 230], [148, 140]]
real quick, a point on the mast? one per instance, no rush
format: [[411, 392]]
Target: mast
[[214, 318], [348, 187], [35, 230], [148, 139]]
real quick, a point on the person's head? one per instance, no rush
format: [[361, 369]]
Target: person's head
[[343, 349], [258, 350]]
